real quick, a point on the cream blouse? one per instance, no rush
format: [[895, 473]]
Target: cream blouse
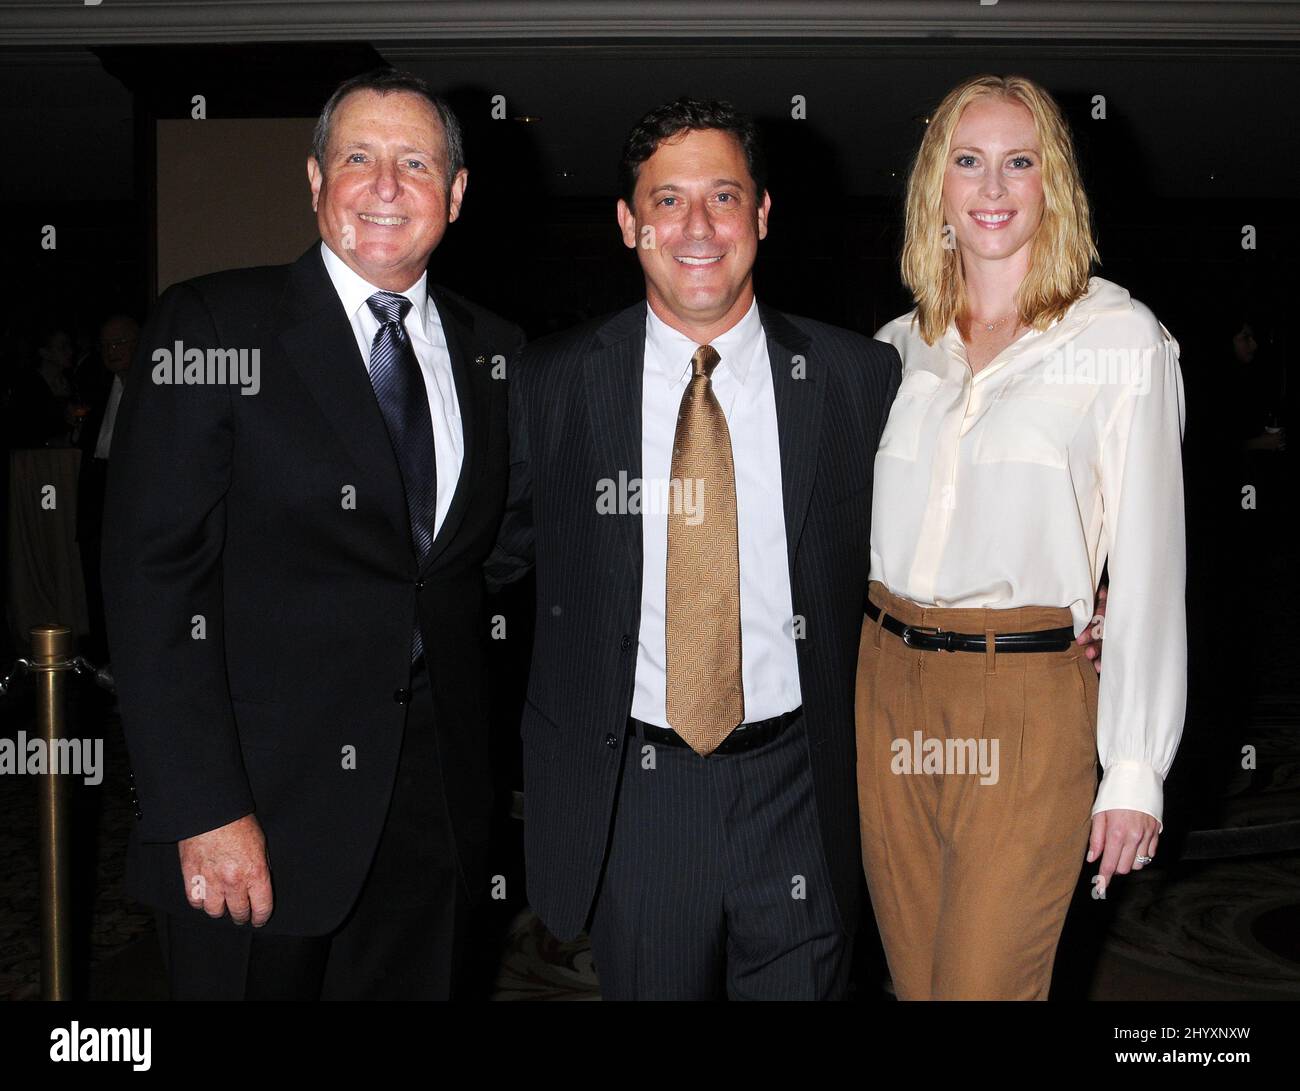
[[1015, 486]]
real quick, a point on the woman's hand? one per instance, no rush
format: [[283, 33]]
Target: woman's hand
[[1120, 838], [1091, 636]]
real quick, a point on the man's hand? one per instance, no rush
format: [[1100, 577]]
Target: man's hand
[[227, 868], [1119, 838], [1092, 632]]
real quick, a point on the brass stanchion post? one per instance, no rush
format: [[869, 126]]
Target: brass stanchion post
[[52, 648]]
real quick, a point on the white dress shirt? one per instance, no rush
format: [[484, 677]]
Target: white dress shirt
[[742, 383], [1015, 486], [424, 325], [104, 441]]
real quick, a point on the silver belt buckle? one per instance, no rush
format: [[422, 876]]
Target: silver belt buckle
[[926, 630]]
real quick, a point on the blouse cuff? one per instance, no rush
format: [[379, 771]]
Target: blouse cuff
[[1131, 786]]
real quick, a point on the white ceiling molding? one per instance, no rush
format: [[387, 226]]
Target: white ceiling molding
[[112, 22]]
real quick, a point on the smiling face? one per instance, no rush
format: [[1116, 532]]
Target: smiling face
[[695, 223], [382, 197], [993, 182]]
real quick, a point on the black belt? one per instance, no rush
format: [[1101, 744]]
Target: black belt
[[745, 737], [941, 640]]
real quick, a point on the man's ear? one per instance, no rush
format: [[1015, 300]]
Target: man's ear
[[457, 194], [626, 224], [314, 179], [764, 207]]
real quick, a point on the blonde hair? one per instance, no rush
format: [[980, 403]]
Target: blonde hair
[[1062, 248]]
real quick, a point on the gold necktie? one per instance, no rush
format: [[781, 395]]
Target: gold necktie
[[706, 699]]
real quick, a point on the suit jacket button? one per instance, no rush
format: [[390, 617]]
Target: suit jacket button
[[419, 585], [625, 643], [401, 696], [611, 741]]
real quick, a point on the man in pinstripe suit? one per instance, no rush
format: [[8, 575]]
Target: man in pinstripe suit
[[688, 734]]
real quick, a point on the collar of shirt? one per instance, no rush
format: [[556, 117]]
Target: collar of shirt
[[673, 349], [1101, 296], [354, 290]]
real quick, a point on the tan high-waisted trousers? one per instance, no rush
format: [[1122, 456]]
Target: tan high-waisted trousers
[[973, 851]]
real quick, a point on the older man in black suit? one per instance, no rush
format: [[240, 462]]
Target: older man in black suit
[[692, 478], [309, 468]]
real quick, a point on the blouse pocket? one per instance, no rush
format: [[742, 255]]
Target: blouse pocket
[[1022, 427], [902, 435]]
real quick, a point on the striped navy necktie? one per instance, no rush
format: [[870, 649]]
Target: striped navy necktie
[[404, 401]]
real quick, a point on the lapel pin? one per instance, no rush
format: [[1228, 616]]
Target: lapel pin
[[480, 359]]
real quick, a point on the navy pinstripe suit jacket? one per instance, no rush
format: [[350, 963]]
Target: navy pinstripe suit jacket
[[575, 418]]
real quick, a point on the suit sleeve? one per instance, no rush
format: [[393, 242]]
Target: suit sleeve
[[164, 528], [895, 377], [512, 556]]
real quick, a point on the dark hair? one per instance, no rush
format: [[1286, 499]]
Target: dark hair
[[387, 81], [665, 122]]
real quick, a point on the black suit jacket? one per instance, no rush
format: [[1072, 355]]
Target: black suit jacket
[[575, 418], [232, 507]]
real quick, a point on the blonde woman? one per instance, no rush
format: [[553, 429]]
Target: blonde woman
[[1035, 437]]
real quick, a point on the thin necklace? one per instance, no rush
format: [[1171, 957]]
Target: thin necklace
[[991, 326]]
